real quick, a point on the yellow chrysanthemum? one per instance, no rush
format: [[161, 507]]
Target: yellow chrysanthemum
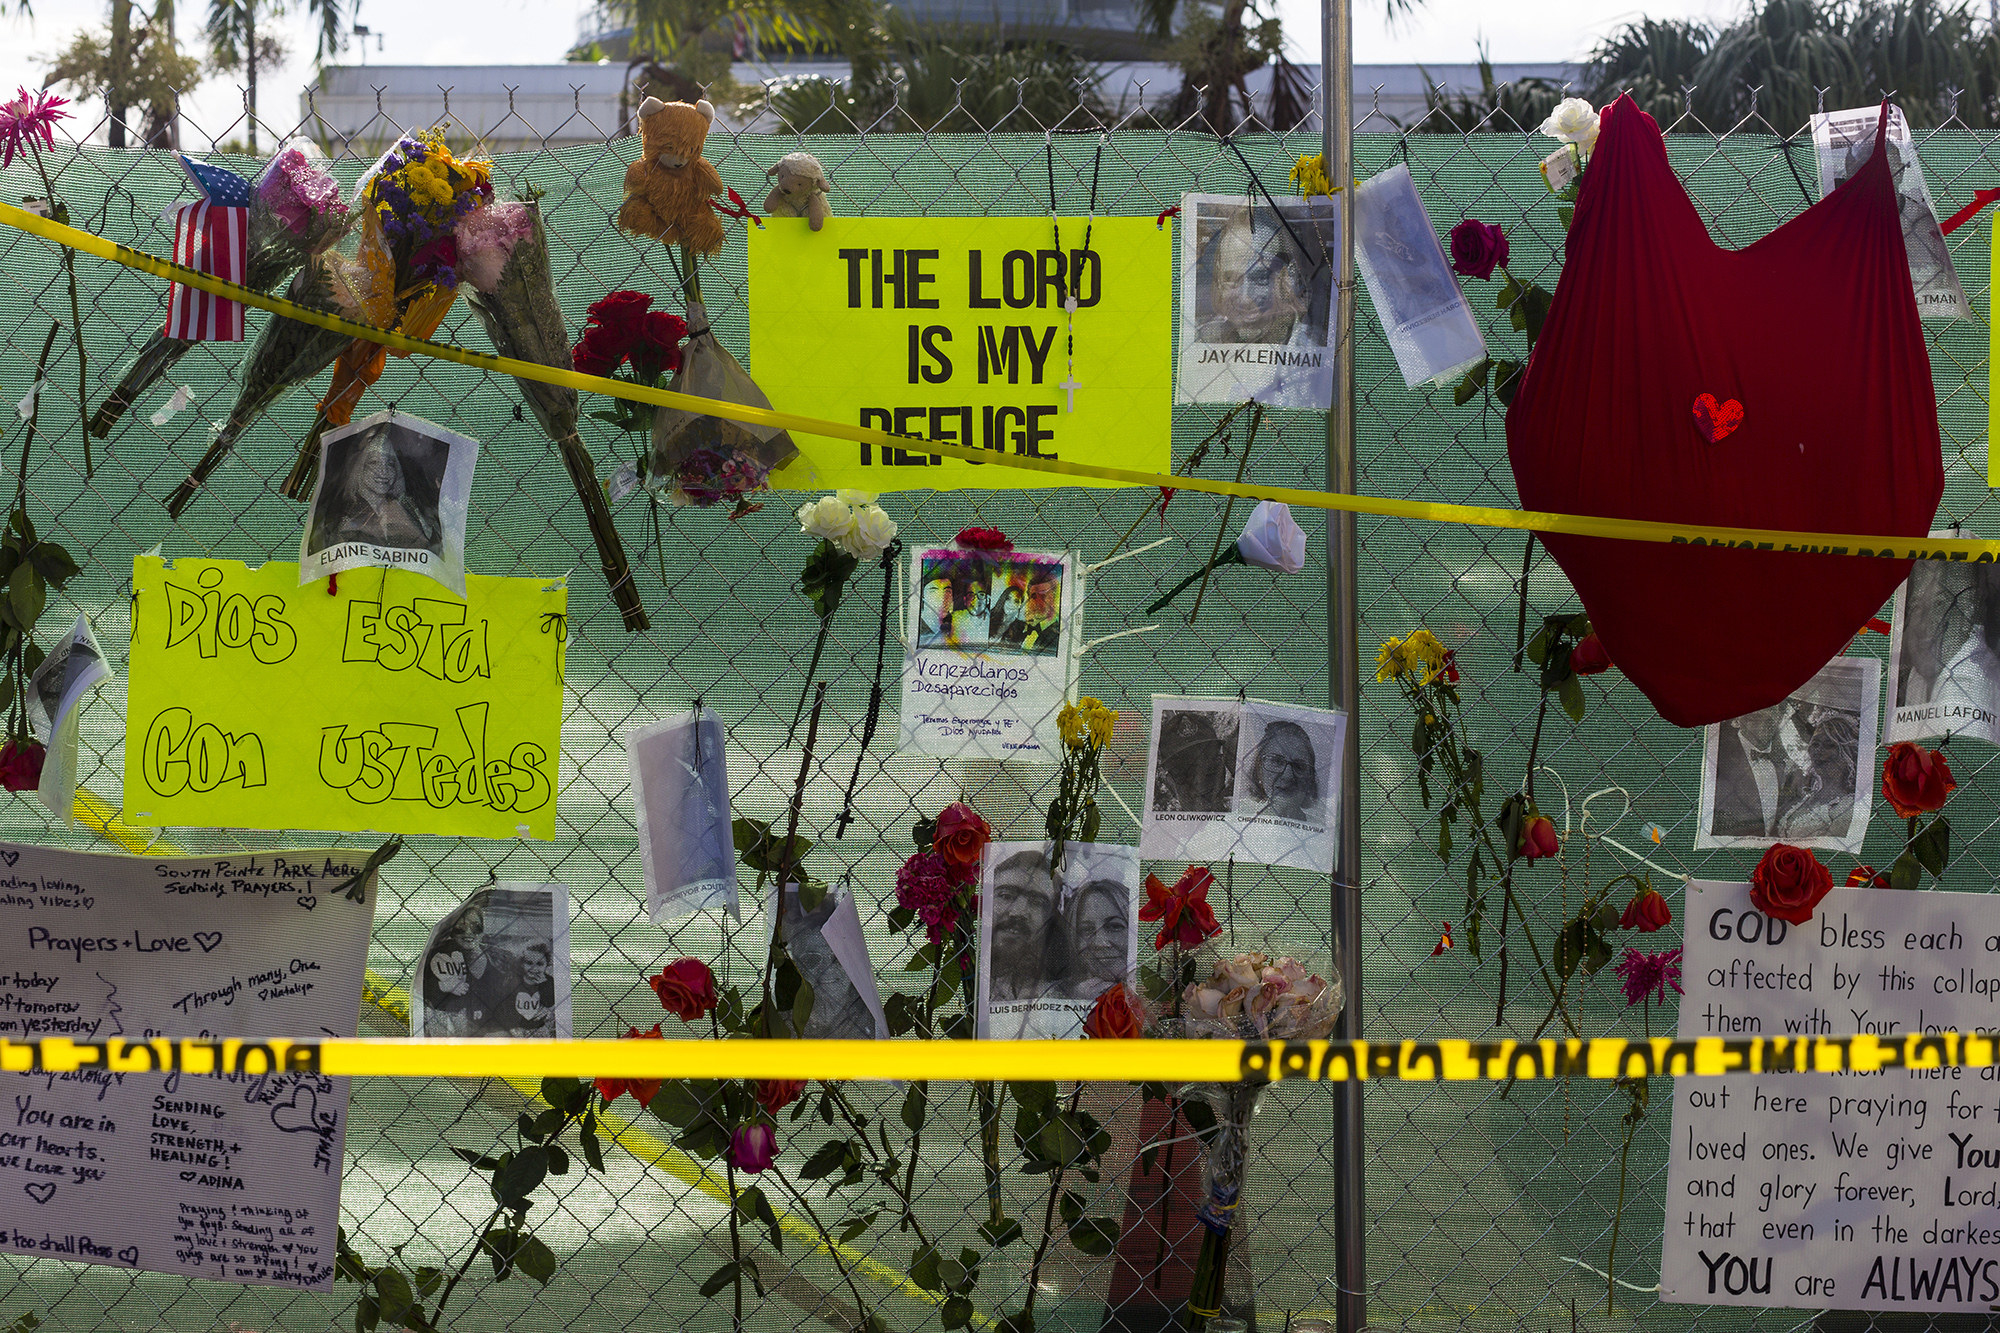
[[1391, 660], [1310, 176], [1086, 724]]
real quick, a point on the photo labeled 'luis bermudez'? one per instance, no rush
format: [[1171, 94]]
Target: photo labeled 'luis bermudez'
[[1036, 337]]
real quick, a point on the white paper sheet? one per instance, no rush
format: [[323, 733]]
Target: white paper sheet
[[234, 1178]]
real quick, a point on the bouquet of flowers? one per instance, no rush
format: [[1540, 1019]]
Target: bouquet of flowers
[[410, 203], [503, 261], [286, 354], [296, 212], [1250, 997], [704, 460]]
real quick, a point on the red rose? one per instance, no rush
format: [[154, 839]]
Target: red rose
[[686, 988], [984, 539], [1182, 911], [1646, 913], [619, 309], [21, 765], [775, 1094], [437, 256], [602, 350], [1588, 658], [1114, 1016], [1864, 877], [643, 1090], [1788, 883], [1916, 780], [959, 837], [1477, 249], [1539, 839], [657, 347]]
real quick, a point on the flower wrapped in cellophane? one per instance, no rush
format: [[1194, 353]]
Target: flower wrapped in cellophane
[[286, 354], [296, 212], [705, 460], [1250, 997], [503, 265], [409, 207]]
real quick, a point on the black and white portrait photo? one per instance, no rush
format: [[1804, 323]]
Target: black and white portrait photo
[[1196, 771], [1843, 142], [1256, 293], [831, 953], [1423, 310], [1944, 666], [680, 785], [497, 966], [1050, 943], [1243, 780], [1286, 771], [1800, 772], [393, 492], [74, 666]]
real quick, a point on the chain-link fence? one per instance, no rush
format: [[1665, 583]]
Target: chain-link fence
[[1487, 1207]]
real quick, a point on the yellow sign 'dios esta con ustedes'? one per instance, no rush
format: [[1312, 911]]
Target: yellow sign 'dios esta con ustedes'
[[961, 330], [386, 704]]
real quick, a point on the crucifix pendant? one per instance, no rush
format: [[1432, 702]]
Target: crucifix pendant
[[1069, 388]]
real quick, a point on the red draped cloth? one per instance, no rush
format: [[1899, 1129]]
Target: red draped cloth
[[1813, 334]]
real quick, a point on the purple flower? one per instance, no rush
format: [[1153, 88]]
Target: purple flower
[[752, 1148], [1643, 974]]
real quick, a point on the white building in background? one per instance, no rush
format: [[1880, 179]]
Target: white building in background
[[363, 108]]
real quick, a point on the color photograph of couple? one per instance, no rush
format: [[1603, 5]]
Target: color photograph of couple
[[1051, 943]]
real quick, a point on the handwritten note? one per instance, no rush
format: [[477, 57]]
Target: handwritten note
[[234, 1178], [1837, 1191], [386, 705]]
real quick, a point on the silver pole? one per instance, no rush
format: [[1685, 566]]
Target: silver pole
[[1343, 616]]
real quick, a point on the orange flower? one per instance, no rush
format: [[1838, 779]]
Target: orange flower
[[1115, 1015]]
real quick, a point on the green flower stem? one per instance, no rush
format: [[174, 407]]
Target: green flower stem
[[827, 1243], [735, 1243], [1048, 1226], [17, 666], [478, 1241], [75, 311], [1222, 529]]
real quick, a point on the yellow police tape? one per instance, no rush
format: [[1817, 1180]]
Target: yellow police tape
[[1680, 534], [1026, 1061]]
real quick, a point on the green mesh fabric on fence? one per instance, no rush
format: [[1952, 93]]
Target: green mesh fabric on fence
[[1487, 1209]]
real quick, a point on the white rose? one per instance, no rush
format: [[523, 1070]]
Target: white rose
[[871, 534], [856, 500], [827, 518], [1573, 121], [1271, 540]]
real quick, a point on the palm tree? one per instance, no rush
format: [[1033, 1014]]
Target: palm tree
[[1787, 59], [233, 37]]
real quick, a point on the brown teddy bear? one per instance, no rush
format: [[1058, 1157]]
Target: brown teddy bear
[[667, 190]]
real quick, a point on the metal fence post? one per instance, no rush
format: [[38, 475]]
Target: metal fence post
[[1343, 609]]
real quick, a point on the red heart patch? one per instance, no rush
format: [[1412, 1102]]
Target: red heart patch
[[1715, 420]]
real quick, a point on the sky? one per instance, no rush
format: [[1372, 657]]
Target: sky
[[515, 32]]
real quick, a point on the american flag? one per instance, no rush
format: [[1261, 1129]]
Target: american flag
[[211, 237]]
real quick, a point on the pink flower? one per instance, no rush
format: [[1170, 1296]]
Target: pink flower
[[29, 116], [1642, 974], [486, 241], [753, 1148], [297, 192]]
